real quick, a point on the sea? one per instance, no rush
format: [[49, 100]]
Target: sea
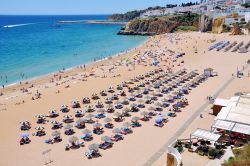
[[33, 46]]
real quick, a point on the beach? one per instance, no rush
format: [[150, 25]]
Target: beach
[[20, 102]]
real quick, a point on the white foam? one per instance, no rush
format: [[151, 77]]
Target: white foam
[[17, 25]]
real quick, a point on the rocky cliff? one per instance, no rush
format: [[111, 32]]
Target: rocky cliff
[[159, 25], [236, 30], [218, 25]]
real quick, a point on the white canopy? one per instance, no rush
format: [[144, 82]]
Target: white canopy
[[206, 135], [232, 126], [221, 102]]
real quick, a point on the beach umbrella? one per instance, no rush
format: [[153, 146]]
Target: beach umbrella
[[116, 130], [144, 113], [170, 97], [55, 122], [110, 106], [53, 111], [97, 125], [158, 104], [79, 121], [24, 135], [117, 114], [93, 147], [101, 110], [68, 126], [135, 119], [106, 139], [40, 116], [159, 119], [133, 105], [126, 110], [141, 101], [164, 100], [107, 120], [55, 134], [86, 131], [89, 116], [126, 124], [39, 128], [147, 98], [151, 108], [175, 93], [73, 139], [89, 106], [67, 116]]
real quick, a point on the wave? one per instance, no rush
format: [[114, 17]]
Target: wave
[[17, 25]]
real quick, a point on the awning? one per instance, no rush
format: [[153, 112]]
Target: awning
[[232, 126], [206, 135], [225, 125]]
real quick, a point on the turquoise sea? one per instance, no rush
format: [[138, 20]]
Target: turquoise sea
[[32, 46]]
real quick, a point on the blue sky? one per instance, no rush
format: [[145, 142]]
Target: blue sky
[[77, 6]]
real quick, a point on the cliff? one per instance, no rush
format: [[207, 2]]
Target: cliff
[[159, 25], [218, 25], [236, 30]]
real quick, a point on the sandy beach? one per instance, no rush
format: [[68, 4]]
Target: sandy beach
[[20, 102]]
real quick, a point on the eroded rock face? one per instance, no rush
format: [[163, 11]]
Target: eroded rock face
[[218, 25], [161, 25], [205, 23], [236, 30]]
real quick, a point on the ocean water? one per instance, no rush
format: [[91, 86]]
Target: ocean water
[[34, 45]]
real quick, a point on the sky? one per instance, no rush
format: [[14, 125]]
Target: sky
[[37, 7]]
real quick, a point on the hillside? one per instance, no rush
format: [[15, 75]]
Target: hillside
[[128, 16]]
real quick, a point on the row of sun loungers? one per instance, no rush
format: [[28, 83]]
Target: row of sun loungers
[[223, 45], [215, 45], [150, 87], [230, 46], [238, 46]]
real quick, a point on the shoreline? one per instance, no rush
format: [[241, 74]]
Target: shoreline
[[70, 69]]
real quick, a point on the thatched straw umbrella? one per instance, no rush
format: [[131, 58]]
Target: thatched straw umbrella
[[126, 124], [97, 125], [144, 113], [89, 116], [106, 138], [100, 110], [107, 120], [94, 147], [117, 114], [56, 133], [79, 121], [135, 119], [158, 104], [39, 128], [86, 131], [151, 108], [68, 126], [141, 101], [116, 130], [125, 110], [73, 139]]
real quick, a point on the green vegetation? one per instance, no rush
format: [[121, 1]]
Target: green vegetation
[[246, 5], [242, 157], [186, 28]]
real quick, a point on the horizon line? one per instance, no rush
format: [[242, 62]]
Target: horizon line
[[51, 14]]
